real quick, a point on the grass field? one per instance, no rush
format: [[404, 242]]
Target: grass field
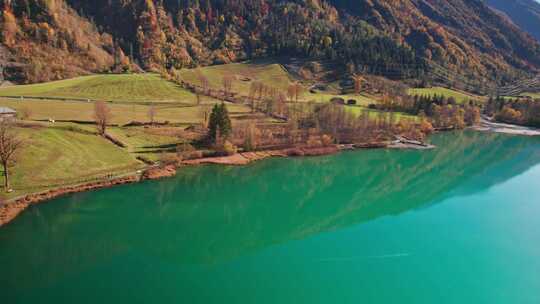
[[148, 143], [53, 156], [359, 110], [121, 113], [148, 88], [117, 88], [532, 95], [361, 100], [458, 95], [270, 74]]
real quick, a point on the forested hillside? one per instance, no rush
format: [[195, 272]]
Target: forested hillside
[[54, 39], [46, 40], [524, 13]]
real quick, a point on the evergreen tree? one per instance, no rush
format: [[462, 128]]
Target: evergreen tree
[[219, 120]]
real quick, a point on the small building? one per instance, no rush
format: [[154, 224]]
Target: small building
[[337, 100], [7, 113]]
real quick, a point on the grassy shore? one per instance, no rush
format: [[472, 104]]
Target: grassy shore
[[69, 150], [62, 155]]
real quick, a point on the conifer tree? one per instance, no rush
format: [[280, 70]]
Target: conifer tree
[[219, 120]]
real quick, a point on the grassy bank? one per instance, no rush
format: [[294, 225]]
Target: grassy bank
[[69, 150], [63, 155]]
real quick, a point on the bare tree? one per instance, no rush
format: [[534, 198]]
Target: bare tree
[[255, 88], [295, 91], [152, 113], [299, 90], [25, 113], [251, 96], [291, 92], [357, 83], [198, 97], [203, 80], [10, 143], [102, 115], [204, 115], [227, 84]]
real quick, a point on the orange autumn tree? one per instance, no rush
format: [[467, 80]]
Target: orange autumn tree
[[10, 27]]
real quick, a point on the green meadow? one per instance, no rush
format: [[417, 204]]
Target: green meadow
[[458, 95], [117, 88]]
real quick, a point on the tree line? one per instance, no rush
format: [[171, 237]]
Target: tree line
[[443, 112], [521, 111]]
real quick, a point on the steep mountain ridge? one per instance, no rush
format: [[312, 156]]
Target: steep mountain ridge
[[524, 13], [395, 38]]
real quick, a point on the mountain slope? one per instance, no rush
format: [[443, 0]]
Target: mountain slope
[[397, 38], [524, 13], [462, 35], [47, 40]]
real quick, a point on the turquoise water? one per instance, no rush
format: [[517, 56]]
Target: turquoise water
[[458, 224]]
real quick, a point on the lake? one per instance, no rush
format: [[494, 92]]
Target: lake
[[458, 224]]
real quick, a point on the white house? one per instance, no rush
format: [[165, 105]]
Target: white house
[[7, 113]]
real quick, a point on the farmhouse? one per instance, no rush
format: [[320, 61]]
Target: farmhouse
[[7, 113]]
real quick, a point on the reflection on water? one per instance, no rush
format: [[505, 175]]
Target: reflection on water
[[213, 214]]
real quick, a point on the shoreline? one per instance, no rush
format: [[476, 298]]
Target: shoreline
[[10, 209], [487, 125]]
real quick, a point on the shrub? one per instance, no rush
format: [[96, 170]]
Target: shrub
[[426, 127], [337, 100], [326, 140], [167, 159], [229, 148], [314, 142], [25, 113]]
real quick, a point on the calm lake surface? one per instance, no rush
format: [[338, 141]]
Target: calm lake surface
[[459, 224]]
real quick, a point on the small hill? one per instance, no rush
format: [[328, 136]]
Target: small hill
[[269, 73]]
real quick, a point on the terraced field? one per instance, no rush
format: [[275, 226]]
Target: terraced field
[[143, 88]]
